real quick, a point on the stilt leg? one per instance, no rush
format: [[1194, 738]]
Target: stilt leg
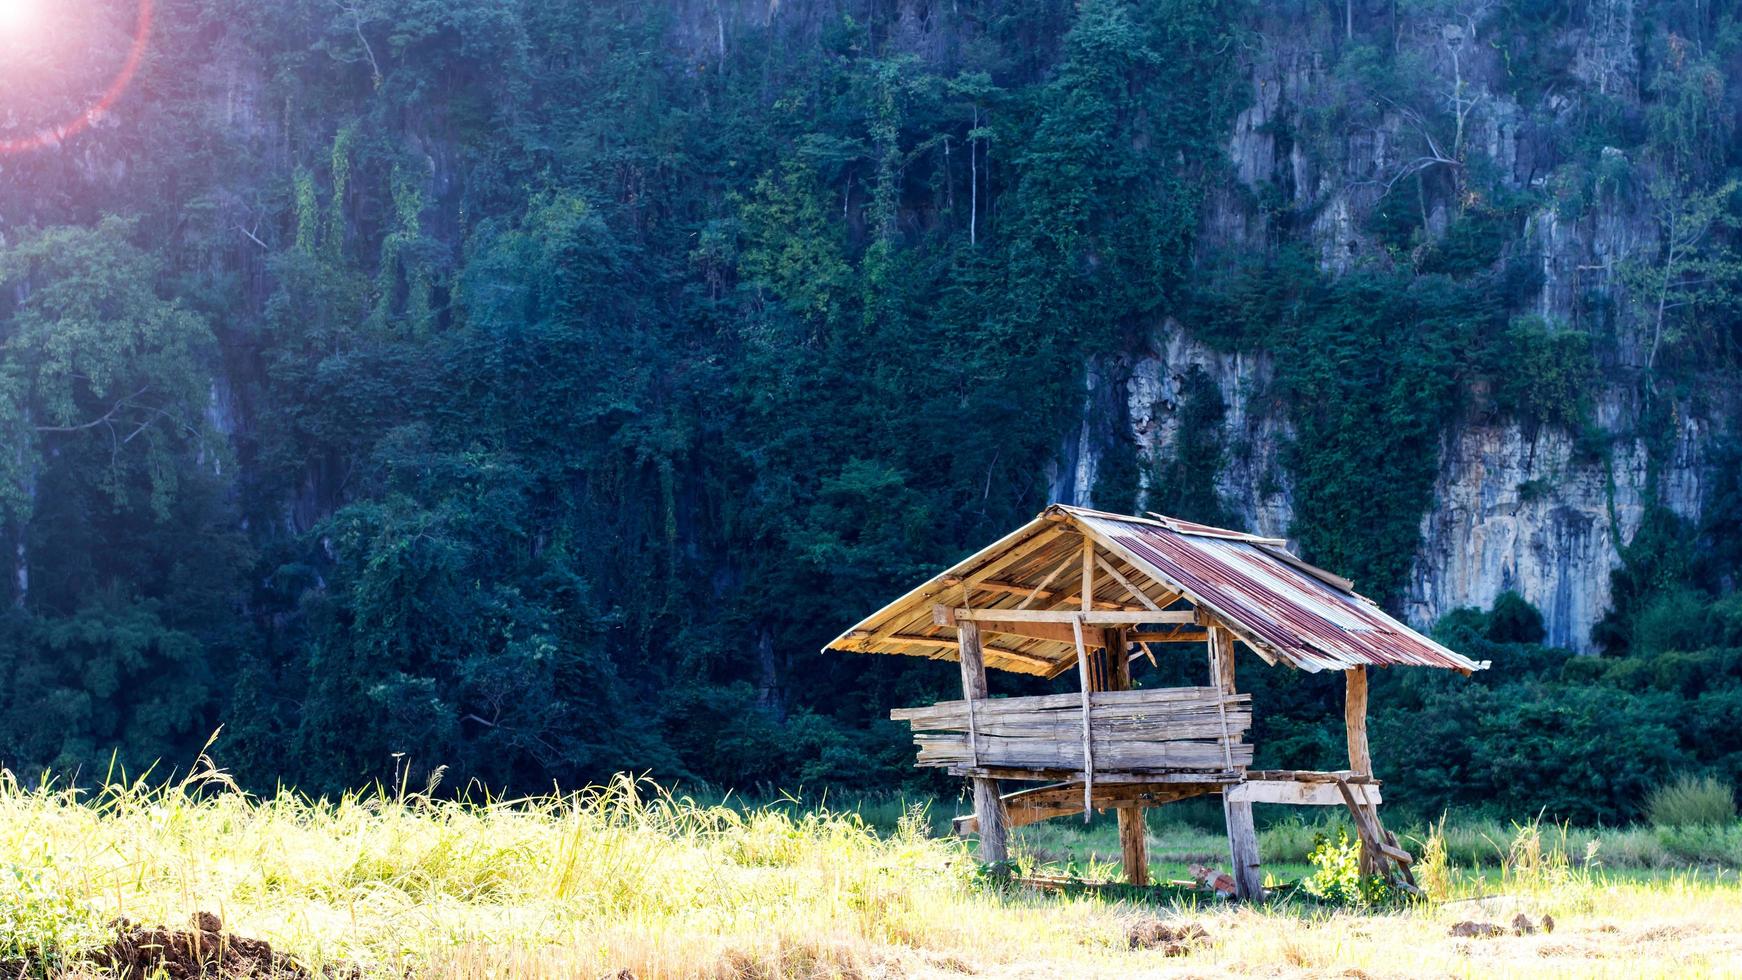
[[1134, 844], [1243, 850]]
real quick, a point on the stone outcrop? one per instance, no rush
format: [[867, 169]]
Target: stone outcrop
[[1514, 508]]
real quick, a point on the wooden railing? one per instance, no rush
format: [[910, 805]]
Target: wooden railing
[[1189, 729]]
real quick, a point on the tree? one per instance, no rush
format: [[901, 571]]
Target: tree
[[1694, 270], [93, 357], [111, 491]]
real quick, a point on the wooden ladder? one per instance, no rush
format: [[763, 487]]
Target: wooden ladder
[[1380, 845]]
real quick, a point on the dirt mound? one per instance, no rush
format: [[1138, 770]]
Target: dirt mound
[[203, 951], [1171, 940]]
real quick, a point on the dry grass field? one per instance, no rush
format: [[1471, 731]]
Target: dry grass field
[[626, 878]]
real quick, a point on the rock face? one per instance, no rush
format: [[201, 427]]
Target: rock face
[[1531, 515], [1528, 512], [1147, 394], [1513, 509]]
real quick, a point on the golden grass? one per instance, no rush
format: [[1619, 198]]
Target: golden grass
[[627, 878]]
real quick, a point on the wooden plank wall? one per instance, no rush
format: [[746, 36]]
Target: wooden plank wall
[[1133, 731]]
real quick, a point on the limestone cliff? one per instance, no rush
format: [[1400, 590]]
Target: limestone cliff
[[1532, 509]]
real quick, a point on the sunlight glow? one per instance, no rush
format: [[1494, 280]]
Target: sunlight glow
[[17, 16], [23, 21]]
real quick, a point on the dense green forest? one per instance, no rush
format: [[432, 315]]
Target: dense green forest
[[531, 389]]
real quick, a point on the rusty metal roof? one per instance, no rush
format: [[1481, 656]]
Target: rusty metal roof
[[1286, 610], [1278, 604]]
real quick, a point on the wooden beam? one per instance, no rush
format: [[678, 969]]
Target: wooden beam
[[1050, 595], [1029, 806], [1360, 759], [1116, 639], [1309, 776], [1040, 589], [1377, 844], [1088, 738], [1181, 635], [942, 615], [1094, 618], [1222, 659], [1242, 834], [1243, 849], [1133, 828], [1292, 793], [988, 804], [1355, 719], [940, 643], [1057, 632], [1088, 574], [1137, 593]]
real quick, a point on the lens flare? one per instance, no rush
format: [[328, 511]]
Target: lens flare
[[17, 17]]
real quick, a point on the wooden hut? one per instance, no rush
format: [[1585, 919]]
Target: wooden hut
[[1093, 593]]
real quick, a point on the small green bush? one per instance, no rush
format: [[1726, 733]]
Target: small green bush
[[44, 927], [1692, 801], [1337, 878], [1547, 373]]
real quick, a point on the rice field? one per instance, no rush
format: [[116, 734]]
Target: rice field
[[629, 878]]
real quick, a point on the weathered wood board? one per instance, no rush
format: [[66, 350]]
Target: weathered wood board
[[1299, 793], [1160, 729]]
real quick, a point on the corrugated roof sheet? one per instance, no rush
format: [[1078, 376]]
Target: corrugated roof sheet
[[1283, 608], [1275, 602]]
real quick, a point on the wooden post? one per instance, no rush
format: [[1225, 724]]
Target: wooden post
[[1117, 640], [1243, 849], [1222, 659], [1355, 719], [1360, 758], [1088, 731], [1242, 833], [988, 804], [1086, 674], [1133, 831]]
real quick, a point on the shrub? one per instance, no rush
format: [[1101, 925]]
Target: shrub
[[1547, 373], [1692, 801], [1677, 619], [1581, 754], [1337, 877], [1336, 873], [1704, 843], [1514, 620], [44, 927]]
